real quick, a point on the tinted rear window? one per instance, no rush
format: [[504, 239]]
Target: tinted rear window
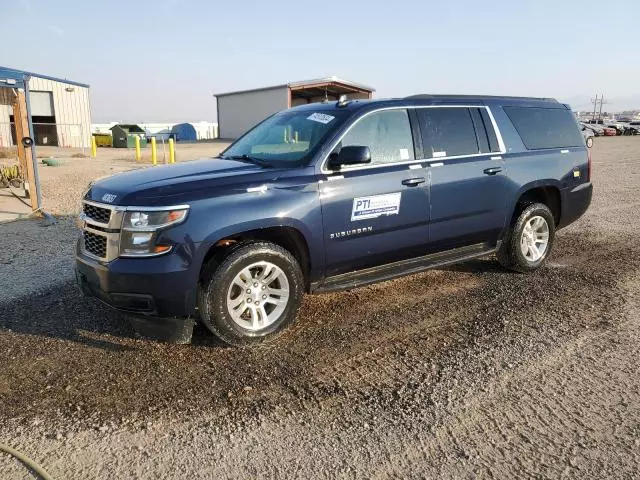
[[448, 132], [545, 127]]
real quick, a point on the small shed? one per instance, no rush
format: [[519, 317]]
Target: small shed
[[124, 135], [184, 132], [241, 110]]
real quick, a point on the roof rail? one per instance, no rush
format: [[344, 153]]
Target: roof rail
[[423, 96]]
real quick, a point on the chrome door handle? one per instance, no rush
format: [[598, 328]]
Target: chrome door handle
[[412, 182], [492, 171]]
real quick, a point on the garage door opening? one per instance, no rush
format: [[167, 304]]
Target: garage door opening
[[321, 91]]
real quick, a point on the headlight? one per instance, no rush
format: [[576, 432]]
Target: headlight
[[141, 229]]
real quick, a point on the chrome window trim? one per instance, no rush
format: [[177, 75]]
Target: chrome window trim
[[501, 144]]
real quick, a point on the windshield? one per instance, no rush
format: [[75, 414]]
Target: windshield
[[288, 137]]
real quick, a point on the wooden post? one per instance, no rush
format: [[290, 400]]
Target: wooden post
[[24, 153]]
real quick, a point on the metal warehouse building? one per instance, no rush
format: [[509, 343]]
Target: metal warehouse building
[[60, 111], [239, 111]]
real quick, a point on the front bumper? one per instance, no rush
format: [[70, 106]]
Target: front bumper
[[160, 286]]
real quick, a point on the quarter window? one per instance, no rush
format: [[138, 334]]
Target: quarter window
[[545, 127], [448, 132], [387, 134]]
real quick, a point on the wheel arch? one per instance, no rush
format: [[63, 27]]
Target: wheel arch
[[546, 192], [286, 236]]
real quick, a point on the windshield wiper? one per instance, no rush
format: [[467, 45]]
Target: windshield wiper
[[247, 158]]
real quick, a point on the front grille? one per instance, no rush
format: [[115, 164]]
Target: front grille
[[98, 214], [95, 244]]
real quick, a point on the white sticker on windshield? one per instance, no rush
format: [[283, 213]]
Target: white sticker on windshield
[[439, 154], [320, 117], [376, 206], [404, 154]]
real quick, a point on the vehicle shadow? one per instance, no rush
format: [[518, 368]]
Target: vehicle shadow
[[484, 265], [62, 312]]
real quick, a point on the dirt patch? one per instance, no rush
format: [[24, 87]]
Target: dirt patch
[[58, 366]]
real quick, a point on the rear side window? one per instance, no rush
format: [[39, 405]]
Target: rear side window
[[545, 127], [447, 132]]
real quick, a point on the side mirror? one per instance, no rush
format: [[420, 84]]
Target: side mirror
[[351, 155]]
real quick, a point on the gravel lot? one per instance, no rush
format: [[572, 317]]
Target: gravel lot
[[464, 372]]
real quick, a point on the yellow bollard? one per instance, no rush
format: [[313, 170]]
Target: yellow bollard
[[154, 156], [137, 141], [172, 151], [94, 147]]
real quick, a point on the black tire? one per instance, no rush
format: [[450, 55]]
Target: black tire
[[590, 142], [216, 281], [510, 254]]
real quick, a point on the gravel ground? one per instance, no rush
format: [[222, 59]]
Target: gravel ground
[[536, 376], [63, 186]]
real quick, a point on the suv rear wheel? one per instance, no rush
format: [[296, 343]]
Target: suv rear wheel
[[529, 240], [252, 294]]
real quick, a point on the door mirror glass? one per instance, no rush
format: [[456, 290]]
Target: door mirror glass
[[350, 155]]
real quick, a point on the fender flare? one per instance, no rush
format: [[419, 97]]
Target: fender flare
[[543, 183]]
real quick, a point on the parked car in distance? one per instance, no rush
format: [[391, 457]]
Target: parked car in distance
[[332, 196], [588, 135], [598, 130], [634, 128], [619, 127]]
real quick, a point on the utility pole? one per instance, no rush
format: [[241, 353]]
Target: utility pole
[[598, 101], [602, 102]]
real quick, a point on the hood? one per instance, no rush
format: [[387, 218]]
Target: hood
[[172, 184]]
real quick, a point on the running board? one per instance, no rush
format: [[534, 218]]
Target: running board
[[410, 266]]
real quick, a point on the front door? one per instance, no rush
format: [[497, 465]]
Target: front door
[[376, 213]]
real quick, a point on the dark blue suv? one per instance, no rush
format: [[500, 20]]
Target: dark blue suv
[[333, 196]]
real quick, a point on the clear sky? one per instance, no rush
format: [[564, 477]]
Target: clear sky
[[153, 61]]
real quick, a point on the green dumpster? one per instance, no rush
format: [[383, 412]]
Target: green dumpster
[[124, 136]]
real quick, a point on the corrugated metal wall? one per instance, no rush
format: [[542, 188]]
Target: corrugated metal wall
[[238, 112], [71, 108]]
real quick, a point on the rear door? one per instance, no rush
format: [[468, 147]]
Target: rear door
[[376, 213], [468, 183]]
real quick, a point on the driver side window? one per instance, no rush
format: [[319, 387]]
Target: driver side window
[[387, 134]]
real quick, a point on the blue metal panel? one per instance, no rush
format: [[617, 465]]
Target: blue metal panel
[[11, 78], [6, 72]]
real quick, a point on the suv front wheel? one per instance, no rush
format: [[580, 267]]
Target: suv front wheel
[[528, 241], [252, 294]]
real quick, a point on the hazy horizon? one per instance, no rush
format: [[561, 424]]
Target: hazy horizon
[[163, 61]]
